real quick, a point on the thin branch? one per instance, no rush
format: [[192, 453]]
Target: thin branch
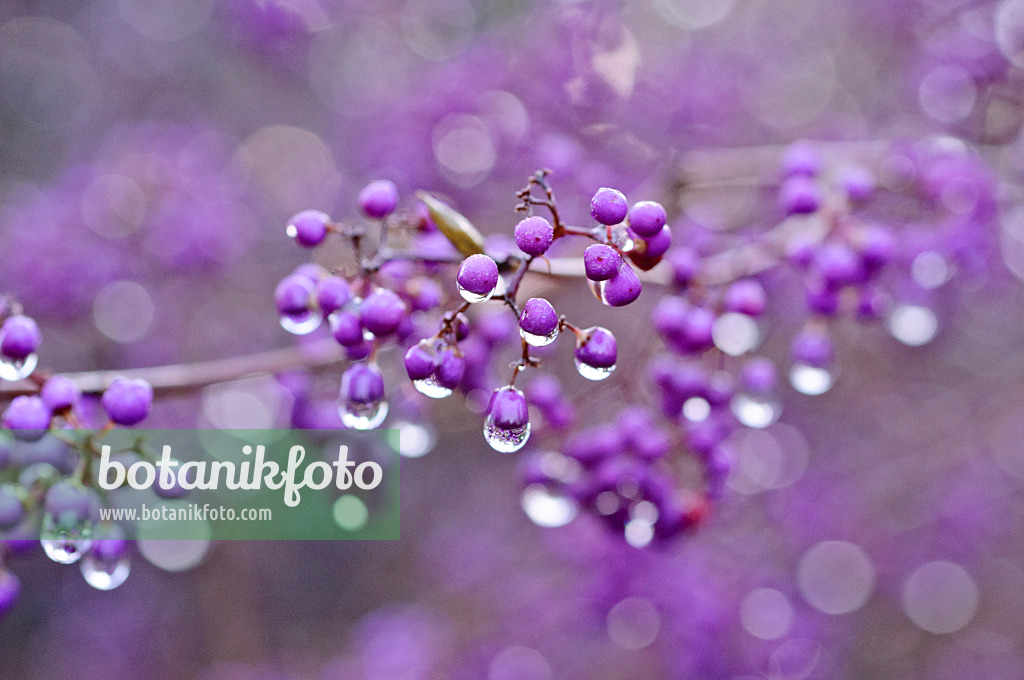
[[178, 378]]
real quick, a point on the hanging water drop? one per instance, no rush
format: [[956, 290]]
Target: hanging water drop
[[65, 544], [17, 369], [754, 411], [430, 387], [361, 401], [539, 340], [507, 425], [301, 323], [810, 380], [546, 508], [105, 572]]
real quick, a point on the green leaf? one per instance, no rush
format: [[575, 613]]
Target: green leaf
[[453, 224]]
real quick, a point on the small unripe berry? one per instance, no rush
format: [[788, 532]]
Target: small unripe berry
[[608, 206], [308, 228], [534, 235], [378, 199], [646, 218], [127, 402], [601, 262]]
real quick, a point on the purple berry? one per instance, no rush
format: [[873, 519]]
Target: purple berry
[[346, 328], [822, 298], [658, 244], [813, 347], [60, 393], [421, 360], [308, 228], [837, 264], [127, 402], [601, 262], [801, 159], [508, 408], [799, 195], [596, 348], [68, 504], [332, 294], [877, 246], [27, 417], [538, 318], [19, 337], [378, 199], [545, 391], [746, 297], [478, 277], [759, 375], [362, 384], [12, 511], [623, 288], [646, 218], [872, 303], [359, 351], [858, 183], [684, 263], [382, 312], [10, 590], [462, 327], [608, 206], [294, 294], [311, 271], [495, 327], [534, 235], [424, 294], [451, 369]]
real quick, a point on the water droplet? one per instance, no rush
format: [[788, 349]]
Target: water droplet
[[810, 380], [539, 340], [472, 297], [912, 325], [593, 372], [755, 411], [503, 439], [639, 533], [302, 323], [65, 544], [548, 509], [430, 387], [735, 333], [696, 409], [105, 573], [11, 369], [360, 416], [412, 440]]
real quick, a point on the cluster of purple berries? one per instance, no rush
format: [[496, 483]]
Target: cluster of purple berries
[[45, 493]]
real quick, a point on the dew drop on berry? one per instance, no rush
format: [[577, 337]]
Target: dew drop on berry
[[504, 439], [539, 340], [547, 508], [105, 573], [12, 369], [363, 416], [302, 323], [65, 544], [754, 411], [430, 387], [810, 380], [593, 372]]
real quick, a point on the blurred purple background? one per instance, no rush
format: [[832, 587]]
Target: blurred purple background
[[152, 150]]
